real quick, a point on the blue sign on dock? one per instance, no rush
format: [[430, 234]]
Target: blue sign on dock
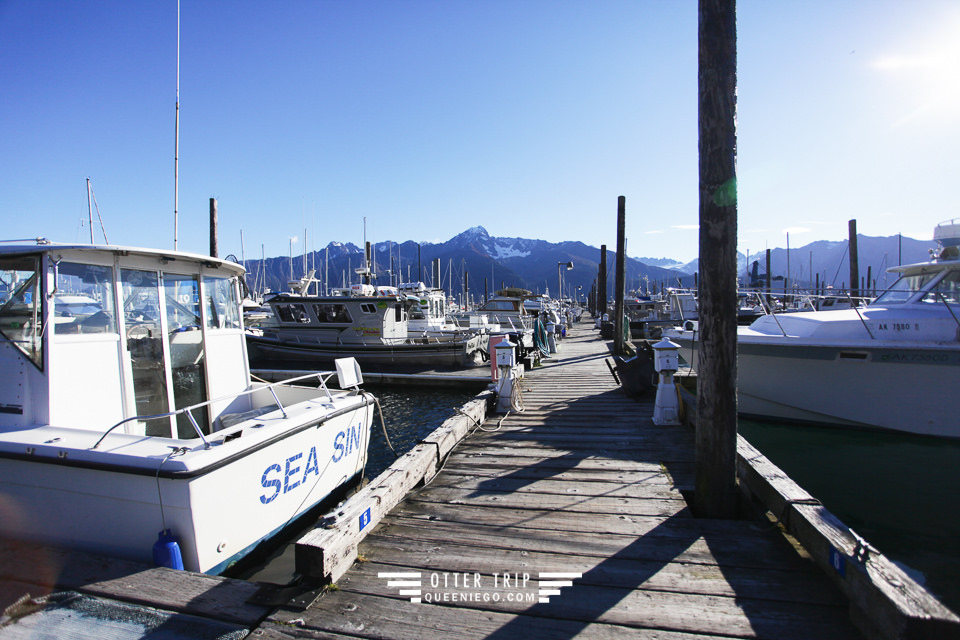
[[837, 561], [364, 518]]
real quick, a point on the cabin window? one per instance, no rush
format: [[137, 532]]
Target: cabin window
[[335, 313], [948, 289], [21, 312], [221, 305], [368, 307], [185, 335], [291, 312], [499, 305], [83, 301]]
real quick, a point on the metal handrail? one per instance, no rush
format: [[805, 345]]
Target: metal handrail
[[859, 315], [322, 376], [947, 305]]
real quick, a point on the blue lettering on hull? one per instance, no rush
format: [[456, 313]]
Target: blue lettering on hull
[[287, 476]]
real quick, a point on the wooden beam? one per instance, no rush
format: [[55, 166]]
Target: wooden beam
[[620, 277], [854, 259], [715, 494], [329, 551]]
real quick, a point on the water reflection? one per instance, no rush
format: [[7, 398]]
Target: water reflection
[[895, 490]]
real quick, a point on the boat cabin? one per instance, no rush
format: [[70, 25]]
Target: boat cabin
[[342, 319], [94, 335]]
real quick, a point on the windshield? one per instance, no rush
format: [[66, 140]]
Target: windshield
[[947, 290], [905, 288]]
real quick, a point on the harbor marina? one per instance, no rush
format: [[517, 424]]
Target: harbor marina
[[129, 424]]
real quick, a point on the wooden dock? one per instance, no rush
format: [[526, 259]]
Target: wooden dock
[[581, 483], [579, 489]]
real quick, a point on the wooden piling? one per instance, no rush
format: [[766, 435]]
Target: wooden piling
[[214, 249], [619, 348], [716, 438], [854, 259], [602, 280], [769, 277]]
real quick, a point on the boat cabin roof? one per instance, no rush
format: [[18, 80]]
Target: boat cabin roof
[[45, 246]]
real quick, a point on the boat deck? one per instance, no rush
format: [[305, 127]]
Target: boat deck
[[580, 483]]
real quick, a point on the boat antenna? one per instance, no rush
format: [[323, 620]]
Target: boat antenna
[[176, 142]]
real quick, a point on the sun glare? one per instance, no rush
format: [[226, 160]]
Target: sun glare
[[927, 73]]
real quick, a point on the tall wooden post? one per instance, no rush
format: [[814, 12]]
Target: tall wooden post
[[602, 302], [716, 437], [854, 259], [618, 344], [214, 249], [769, 277]]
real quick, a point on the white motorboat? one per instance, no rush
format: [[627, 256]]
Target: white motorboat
[[893, 364], [129, 425]]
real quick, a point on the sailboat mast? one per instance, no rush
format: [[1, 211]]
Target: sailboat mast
[[90, 210], [176, 143]]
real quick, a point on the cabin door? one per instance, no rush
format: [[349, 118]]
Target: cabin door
[[164, 347]]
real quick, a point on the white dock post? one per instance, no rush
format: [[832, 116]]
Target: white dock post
[[666, 410]]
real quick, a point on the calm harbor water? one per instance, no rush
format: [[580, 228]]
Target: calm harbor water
[[410, 414], [895, 490]]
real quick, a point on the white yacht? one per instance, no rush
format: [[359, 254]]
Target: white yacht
[[129, 425], [893, 364]]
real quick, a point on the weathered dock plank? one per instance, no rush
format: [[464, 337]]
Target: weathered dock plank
[[357, 615], [737, 548], [630, 608], [37, 570]]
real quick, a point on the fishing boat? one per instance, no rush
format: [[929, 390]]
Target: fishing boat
[[893, 364], [360, 323], [129, 425], [427, 313]]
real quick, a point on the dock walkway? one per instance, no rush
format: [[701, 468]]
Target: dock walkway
[[581, 484]]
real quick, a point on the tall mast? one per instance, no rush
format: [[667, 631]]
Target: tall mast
[[176, 143], [90, 210]]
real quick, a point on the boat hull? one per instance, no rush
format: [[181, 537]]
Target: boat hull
[[218, 512], [903, 387], [266, 349]]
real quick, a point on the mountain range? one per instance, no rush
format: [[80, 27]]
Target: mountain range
[[481, 263]]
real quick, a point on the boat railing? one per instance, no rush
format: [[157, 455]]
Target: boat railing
[[322, 376]]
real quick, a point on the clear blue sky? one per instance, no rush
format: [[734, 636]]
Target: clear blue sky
[[429, 117]]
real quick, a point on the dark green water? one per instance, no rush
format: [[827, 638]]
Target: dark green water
[[899, 492]]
